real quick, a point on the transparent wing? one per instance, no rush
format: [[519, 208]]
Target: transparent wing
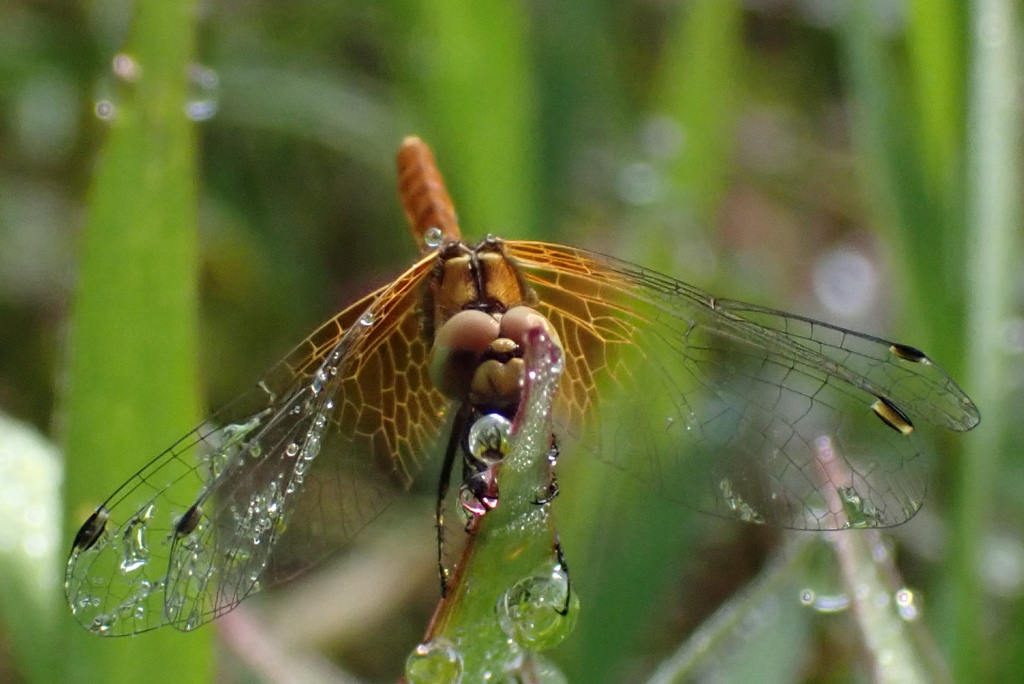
[[346, 420], [734, 409]]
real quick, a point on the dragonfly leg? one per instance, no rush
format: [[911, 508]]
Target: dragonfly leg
[[552, 490], [568, 578], [461, 419]]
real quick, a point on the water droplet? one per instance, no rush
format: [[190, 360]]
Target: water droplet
[[105, 110], [125, 67], [907, 605], [539, 612], [433, 237], [319, 379], [103, 623], [859, 512], [488, 437], [735, 502], [201, 110], [640, 183], [204, 77], [367, 319], [824, 603], [532, 667], [136, 553], [202, 102], [434, 662], [846, 281]]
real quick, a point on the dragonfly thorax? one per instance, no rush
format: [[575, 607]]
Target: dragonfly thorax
[[480, 277]]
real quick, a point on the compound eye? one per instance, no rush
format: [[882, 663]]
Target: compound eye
[[458, 345], [520, 319]]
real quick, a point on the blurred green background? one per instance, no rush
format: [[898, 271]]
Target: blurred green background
[[172, 223]]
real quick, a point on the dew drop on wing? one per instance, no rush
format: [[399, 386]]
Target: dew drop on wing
[[102, 623], [319, 380], [735, 502], [860, 513], [91, 530], [135, 549]]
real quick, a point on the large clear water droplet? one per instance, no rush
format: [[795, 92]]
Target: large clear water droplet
[[433, 237], [367, 319], [490, 434], [434, 662], [539, 612]]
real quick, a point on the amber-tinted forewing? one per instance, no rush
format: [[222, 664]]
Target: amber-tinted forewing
[[734, 409], [345, 421]]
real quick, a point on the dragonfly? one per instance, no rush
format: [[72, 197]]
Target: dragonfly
[[725, 407]]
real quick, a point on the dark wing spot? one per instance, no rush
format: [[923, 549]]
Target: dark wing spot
[[187, 523], [91, 530], [892, 416], [908, 353]]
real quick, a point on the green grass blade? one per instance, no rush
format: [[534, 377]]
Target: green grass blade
[[699, 86], [132, 362], [994, 216], [478, 112], [935, 42], [915, 214]]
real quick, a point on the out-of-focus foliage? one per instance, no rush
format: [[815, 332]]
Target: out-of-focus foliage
[[851, 161]]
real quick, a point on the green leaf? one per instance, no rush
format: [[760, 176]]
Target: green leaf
[[511, 596]]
